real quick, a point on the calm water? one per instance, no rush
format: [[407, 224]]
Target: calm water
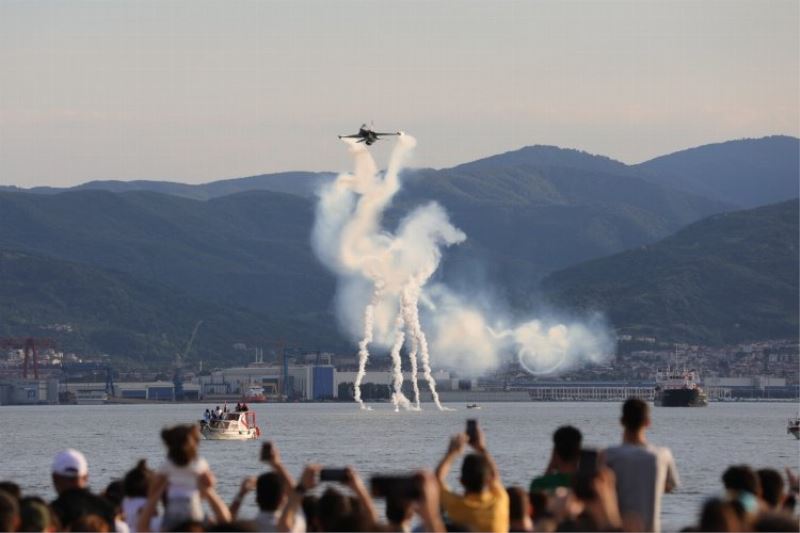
[[704, 441]]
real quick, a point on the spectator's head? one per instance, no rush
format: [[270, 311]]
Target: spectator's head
[[311, 512], [70, 471], [270, 492], [475, 472], [35, 515], [334, 510], [137, 481], [776, 521], [741, 478], [635, 415], [771, 484], [90, 522], [538, 504], [9, 512], [399, 510], [567, 447], [181, 443], [718, 515], [114, 493], [11, 488], [519, 511]]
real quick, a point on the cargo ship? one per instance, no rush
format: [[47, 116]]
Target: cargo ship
[[675, 388]]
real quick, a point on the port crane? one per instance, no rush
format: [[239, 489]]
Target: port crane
[[177, 377]]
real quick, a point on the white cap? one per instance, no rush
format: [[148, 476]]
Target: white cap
[[70, 463]]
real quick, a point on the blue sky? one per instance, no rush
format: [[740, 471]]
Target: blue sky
[[194, 91]]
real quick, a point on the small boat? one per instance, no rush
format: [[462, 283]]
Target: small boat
[[793, 427], [231, 426], [473, 406]]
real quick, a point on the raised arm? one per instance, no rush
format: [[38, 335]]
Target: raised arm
[[205, 484], [154, 493], [455, 447], [479, 445], [248, 485], [308, 480], [357, 486]]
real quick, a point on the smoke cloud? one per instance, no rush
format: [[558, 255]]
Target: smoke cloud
[[383, 280]]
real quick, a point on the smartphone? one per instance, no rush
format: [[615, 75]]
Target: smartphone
[[266, 452], [587, 464], [403, 487], [338, 475], [472, 430]]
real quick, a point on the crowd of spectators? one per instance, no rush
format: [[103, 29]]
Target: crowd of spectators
[[616, 489]]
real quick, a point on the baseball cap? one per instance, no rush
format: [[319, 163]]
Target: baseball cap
[[70, 463]]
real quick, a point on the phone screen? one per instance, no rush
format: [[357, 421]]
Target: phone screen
[[472, 429], [338, 475]]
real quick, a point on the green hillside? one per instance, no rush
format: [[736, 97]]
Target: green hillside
[[731, 277], [136, 322]]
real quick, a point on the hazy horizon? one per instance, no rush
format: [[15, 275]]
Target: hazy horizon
[[199, 91]]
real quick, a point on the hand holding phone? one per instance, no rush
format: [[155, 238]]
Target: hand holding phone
[[402, 487], [336, 475], [472, 431]]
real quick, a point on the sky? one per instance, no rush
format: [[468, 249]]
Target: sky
[[195, 91]]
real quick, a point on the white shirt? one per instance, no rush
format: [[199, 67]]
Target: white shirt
[[183, 479], [642, 474], [268, 521]]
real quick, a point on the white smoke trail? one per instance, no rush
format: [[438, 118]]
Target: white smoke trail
[[398, 398], [363, 345], [413, 349], [387, 276]]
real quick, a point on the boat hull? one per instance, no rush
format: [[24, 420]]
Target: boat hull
[[213, 434], [680, 398]]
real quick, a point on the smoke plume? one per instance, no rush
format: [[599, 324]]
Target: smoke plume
[[383, 280]]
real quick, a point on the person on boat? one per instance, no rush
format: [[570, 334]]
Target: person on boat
[[225, 408], [238, 407], [218, 412], [207, 416], [244, 407]]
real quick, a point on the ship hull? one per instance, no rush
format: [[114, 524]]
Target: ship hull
[[680, 398]]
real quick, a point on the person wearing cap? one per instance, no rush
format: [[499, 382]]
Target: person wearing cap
[[70, 474]]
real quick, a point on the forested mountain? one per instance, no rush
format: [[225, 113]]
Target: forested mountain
[[729, 278]]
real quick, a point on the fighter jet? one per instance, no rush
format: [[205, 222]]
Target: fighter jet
[[367, 135]]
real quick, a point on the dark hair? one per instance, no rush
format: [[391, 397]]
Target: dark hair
[[718, 515], [741, 477], [114, 493], [90, 522], [181, 443], [334, 511], [475, 472], [269, 491], [311, 512], [567, 443], [538, 500], [517, 503], [771, 486], [397, 509], [35, 515], [772, 521], [137, 481], [11, 488], [9, 511], [635, 414]]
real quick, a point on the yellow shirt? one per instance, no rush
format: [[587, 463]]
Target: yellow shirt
[[487, 511]]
